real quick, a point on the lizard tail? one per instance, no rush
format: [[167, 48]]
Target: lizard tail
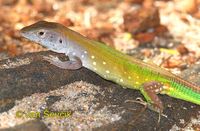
[[184, 91]]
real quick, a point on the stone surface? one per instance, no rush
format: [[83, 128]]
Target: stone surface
[[34, 125], [27, 82], [141, 20]]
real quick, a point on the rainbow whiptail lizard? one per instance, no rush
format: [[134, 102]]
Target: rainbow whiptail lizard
[[111, 64]]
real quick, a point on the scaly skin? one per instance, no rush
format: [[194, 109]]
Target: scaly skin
[[113, 65]]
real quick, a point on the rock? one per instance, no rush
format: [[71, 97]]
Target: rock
[[29, 77], [134, 1], [144, 24], [66, 22], [101, 34], [141, 20], [186, 6], [34, 125], [182, 49], [145, 37], [161, 30], [8, 2], [192, 73], [39, 6]]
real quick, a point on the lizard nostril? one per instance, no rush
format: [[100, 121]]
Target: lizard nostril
[[22, 32]]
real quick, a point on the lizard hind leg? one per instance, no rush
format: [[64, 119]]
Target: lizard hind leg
[[139, 101], [150, 91], [145, 104]]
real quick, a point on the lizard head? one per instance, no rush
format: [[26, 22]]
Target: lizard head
[[47, 34]]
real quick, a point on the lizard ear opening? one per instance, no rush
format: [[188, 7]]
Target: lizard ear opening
[[60, 41]]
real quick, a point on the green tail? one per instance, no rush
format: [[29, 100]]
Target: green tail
[[181, 91]]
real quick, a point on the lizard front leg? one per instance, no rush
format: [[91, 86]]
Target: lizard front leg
[[73, 63]]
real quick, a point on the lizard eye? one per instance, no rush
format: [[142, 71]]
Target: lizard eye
[[41, 33]]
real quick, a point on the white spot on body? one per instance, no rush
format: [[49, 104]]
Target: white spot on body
[[85, 52], [95, 69], [157, 90], [137, 82], [104, 62], [82, 56], [165, 87], [121, 80], [94, 63], [107, 71], [73, 53], [92, 57]]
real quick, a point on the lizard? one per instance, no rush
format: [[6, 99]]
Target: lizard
[[111, 64]]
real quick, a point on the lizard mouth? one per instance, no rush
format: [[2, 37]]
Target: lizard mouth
[[26, 35], [38, 42]]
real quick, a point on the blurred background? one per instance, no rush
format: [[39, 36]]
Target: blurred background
[[165, 31]]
